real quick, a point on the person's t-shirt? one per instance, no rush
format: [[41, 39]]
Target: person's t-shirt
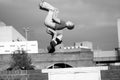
[[61, 25]]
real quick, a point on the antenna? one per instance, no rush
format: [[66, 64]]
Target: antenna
[[26, 29], [118, 27]]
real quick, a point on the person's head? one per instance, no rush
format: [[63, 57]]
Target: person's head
[[69, 25]]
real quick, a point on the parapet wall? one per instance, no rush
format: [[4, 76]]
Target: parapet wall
[[45, 60]]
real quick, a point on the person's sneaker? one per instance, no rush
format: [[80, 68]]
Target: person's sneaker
[[41, 6], [46, 6], [41, 3]]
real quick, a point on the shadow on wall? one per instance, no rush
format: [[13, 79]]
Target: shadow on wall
[[60, 65]]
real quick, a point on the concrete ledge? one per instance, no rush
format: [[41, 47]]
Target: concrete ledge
[[75, 70]]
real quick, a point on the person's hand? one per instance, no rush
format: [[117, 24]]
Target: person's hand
[[54, 39]]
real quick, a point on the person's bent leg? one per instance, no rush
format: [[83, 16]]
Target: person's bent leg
[[48, 21], [55, 16]]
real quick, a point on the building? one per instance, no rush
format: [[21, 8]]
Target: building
[[2, 24], [9, 33], [10, 47], [85, 44], [77, 46], [11, 40]]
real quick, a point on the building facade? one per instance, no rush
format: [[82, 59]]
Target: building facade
[[9, 33], [11, 40]]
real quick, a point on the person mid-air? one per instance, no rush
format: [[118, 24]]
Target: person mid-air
[[54, 25]]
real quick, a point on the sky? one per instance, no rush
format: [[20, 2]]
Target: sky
[[95, 20]]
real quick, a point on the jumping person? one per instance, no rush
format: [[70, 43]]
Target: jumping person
[[54, 24]]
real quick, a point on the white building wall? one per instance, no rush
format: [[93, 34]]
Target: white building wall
[[10, 47], [9, 33], [16, 35], [105, 54], [5, 33], [11, 40], [85, 44], [2, 24]]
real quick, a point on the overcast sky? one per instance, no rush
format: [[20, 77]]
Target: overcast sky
[[95, 20]]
